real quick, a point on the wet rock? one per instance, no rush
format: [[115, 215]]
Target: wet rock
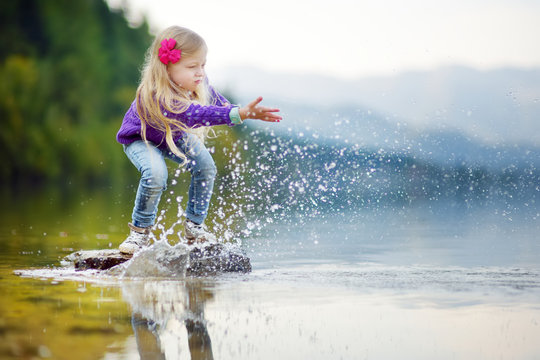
[[97, 259], [158, 260], [216, 258], [198, 260]]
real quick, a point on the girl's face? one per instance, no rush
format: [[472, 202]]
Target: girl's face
[[188, 73]]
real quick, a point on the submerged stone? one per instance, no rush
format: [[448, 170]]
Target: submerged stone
[[164, 260]]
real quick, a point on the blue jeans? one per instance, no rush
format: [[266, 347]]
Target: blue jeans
[[150, 161]]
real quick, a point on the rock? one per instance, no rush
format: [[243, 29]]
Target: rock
[[199, 260], [97, 259], [216, 258], [158, 260]]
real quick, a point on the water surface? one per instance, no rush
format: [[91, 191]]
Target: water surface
[[434, 280]]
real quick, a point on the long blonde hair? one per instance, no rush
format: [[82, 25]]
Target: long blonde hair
[[157, 92]]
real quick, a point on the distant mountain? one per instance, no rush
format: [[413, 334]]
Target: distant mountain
[[497, 107], [453, 116]]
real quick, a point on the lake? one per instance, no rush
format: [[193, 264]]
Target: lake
[[443, 279]]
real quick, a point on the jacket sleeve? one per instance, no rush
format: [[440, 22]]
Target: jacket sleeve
[[203, 115], [197, 115]]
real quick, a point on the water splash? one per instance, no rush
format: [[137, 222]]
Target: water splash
[[292, 176], [158, 260]]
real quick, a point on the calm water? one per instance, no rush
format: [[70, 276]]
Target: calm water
[[437, 280]]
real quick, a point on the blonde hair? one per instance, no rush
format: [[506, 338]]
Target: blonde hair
[[157, 92]]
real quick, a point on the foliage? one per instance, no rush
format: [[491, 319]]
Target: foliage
[[68, 71]]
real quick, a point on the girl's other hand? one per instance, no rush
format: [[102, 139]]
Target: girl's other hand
[[254, 111]]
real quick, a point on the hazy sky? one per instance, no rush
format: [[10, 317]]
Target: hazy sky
[[353, 38]]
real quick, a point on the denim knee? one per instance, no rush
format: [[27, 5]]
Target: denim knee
[[154, 177], [206, 171]]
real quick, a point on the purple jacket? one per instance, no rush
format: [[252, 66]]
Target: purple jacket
[[194, 116]]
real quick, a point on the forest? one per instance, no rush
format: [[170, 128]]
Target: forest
[[68, 72]]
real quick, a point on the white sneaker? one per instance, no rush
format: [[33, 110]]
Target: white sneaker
[[197, 233], [138, 237]]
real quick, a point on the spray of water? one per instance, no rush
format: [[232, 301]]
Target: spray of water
[[294, 176]]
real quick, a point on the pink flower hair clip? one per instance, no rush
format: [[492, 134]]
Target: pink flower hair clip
[[167, 53]]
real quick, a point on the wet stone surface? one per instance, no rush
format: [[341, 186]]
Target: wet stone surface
[[216, 258], [201, 260], [97, 259]]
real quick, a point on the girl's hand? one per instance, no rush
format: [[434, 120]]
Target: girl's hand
[[254, 111]]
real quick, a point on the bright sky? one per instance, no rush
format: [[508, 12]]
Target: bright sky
[[354, 38]]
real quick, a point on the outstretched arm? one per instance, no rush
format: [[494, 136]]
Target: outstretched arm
[[254, 111]]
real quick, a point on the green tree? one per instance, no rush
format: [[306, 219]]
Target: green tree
[[68, 71]]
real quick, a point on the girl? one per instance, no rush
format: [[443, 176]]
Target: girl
[[168, 118]]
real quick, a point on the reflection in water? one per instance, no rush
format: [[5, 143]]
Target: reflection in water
[[159, 308], [409, 283], [147, 338]]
